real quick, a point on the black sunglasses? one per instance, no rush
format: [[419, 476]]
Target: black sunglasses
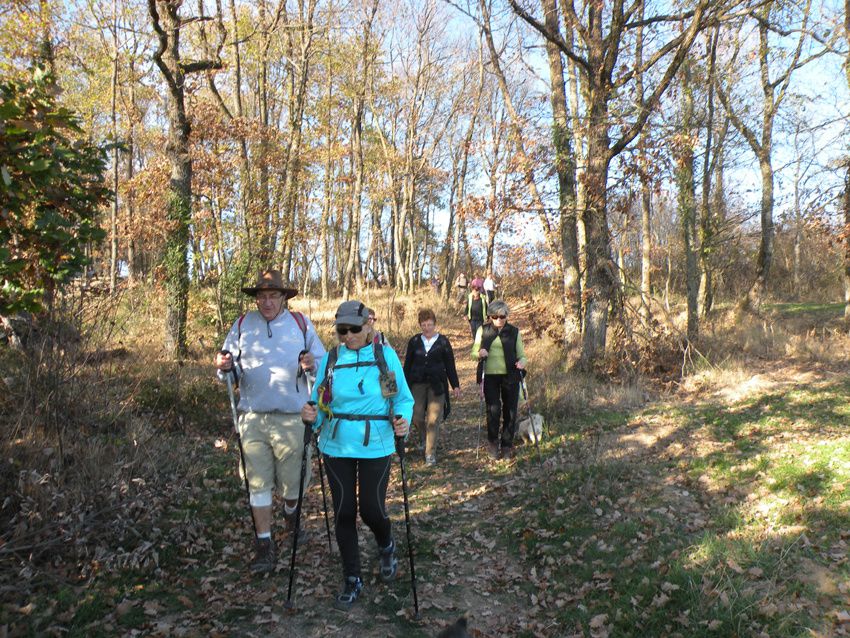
[[344, 330], [498, 316]]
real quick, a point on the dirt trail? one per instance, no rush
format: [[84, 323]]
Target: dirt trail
[[465, 557]]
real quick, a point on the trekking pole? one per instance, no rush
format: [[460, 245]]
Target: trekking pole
[[322, 480], [480, 418], [308, 432], [530, 417], [321, 470], [231, 379], [399, 447], [481, 403]]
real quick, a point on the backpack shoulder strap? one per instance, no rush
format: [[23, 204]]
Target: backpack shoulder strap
[[239, 336], [488, 337], [302, 324], [332, 357], [378, 350], [329, 369]]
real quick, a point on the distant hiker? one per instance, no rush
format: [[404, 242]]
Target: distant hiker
[[361, 389], [273, 349], [429, 366], [476, 309], [489, 285], [373, 318], [501, 356], [461, 284]]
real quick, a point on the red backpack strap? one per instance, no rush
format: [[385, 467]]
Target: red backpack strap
[[302, 324]]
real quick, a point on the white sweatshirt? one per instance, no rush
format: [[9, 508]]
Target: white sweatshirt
[[268, 365]]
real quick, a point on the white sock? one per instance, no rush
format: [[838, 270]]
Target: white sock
[[264, 535], [289, 510]]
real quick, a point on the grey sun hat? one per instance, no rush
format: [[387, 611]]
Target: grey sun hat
[[351, 313]]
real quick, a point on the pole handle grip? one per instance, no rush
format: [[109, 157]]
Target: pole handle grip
[[399, 441]]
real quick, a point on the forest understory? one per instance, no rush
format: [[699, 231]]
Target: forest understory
[[709, 504]]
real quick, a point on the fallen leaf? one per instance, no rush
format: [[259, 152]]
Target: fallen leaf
[[598, 621]]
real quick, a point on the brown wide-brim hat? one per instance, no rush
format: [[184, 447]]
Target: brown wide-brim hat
[[270, 280]]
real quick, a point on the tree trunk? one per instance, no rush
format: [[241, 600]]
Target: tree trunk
[[297, 99], [349, 273], [645, 192], [565, 164], [755, 295], [601, 278], [179, 212], [113, 217], [706, 227], [846, 198], [846, 206], [130, 203], [687, 201]]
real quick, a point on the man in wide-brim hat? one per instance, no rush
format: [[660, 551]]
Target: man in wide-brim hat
[[270, 280], [272, 352]]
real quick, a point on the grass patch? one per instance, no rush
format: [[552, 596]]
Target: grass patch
[[819, 310]]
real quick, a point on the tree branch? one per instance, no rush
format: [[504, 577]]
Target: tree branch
[[162, 44], [553, 38], [697, 23]]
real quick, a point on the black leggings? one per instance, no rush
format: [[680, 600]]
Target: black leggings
[[501, 394], [363, 480]]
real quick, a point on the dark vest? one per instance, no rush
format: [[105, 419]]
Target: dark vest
[[508, 337]]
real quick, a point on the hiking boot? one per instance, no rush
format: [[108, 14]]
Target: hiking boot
[[507, 453], [289, 526], [493, 449], [430, 459], [388, 561], [345, 599], [265, 557]]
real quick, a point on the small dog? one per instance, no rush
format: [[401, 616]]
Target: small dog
[[531, 429], [458, 630]]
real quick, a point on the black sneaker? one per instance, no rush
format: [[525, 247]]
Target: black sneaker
[[265, 557], [345, 599], [389, 563]]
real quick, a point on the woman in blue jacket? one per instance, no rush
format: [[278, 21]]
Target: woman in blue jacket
[[364, 403]]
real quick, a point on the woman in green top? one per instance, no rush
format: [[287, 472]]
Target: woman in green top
[[501, 357]]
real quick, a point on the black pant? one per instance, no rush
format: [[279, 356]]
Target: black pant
[[475, 324], [364, 480], [501, 393]]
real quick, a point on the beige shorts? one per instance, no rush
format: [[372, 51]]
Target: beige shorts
[[273, 443]]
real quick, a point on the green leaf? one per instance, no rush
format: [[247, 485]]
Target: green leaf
[[41, 164]]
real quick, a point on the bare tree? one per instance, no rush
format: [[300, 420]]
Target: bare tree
[[352, 273], [760, 140], [603, 29], [168, 25]]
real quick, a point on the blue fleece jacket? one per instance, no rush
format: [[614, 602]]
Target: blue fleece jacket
[[357, 391]]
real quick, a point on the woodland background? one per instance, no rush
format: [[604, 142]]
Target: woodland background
[[662, 190]]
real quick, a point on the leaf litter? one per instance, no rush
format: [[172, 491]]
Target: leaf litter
[[166, 555]]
